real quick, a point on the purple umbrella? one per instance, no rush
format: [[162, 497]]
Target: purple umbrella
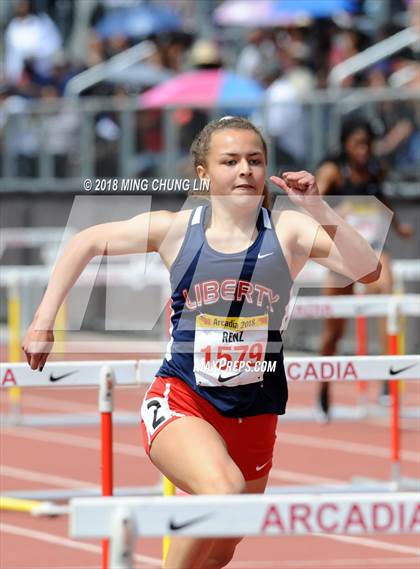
[[268, 13], [206, 87]]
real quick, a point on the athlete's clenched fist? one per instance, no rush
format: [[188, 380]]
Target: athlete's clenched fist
[[297, 183]]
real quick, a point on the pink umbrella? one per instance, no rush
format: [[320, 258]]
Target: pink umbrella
[[206, 87]]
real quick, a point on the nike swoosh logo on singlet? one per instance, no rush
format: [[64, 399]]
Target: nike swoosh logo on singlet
[[221, 379]]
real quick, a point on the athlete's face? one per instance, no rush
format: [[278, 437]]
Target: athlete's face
[[236, 166]]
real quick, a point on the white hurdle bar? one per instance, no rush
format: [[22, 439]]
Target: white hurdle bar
[[124, 519], [250, 514], [343, 369], [403, 270], [308, 307]]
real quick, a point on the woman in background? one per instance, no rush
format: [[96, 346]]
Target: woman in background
[[356, 172]]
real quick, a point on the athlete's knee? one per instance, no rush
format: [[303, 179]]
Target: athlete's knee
[[221, 482], [220, 561], [221, 554]]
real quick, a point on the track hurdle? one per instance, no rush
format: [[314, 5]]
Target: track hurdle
[[342, 369], [336, 368], [123, 519]]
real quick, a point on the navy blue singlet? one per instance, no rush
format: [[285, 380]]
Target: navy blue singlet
[[227, 312]]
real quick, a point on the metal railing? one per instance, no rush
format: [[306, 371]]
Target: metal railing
[[372, 55], [54, 145], [104, 70]]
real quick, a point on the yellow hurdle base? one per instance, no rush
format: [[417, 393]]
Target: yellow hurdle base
[[168, 490], [18, 505], [33, 507]]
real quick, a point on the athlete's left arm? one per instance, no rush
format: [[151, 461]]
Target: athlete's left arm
[[323, 235]]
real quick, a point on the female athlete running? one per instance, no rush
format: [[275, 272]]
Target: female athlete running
[[209, 418]]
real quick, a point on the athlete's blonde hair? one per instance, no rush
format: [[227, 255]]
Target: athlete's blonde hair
[[201, 144]]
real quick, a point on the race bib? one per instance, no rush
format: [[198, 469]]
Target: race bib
[[230, 351]]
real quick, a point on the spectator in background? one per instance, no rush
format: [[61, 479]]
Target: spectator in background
[[30, 36], [256, 55], [204, 54], [59, 131], [397, 122], [22, 132], [345, 44], [61, 72], [285, 117], [354, 171], [115, 45]]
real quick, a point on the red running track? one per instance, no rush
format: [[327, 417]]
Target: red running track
[[306, 453]]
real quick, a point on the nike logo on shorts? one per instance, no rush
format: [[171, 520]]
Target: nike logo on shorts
[[260, 467], [260, 256]]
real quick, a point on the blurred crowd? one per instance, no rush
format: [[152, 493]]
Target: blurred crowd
[[49, 42]]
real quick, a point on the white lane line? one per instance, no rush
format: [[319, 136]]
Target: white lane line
[[65, 542], [69, 406], [407, 424], [343, 446], [355, 563], [36, 476], [62, 438], [52, 404], [375, 543], [301, 478]]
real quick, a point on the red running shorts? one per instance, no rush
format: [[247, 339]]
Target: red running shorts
[[250, 440]]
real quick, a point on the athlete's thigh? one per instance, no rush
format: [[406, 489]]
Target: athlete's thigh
[[193, 455], [256, 486]]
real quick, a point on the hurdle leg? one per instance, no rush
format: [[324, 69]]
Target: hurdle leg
[[392, 329], [361, 347], [123, 540], [14, 310], [361, 350], [168, 490], [106, 385], [168, 487], [399, 290]]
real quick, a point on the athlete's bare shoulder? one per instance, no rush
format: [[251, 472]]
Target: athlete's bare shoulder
[[289, 224], [167, 232]]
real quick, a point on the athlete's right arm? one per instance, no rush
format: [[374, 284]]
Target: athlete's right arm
[[140, 234]]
